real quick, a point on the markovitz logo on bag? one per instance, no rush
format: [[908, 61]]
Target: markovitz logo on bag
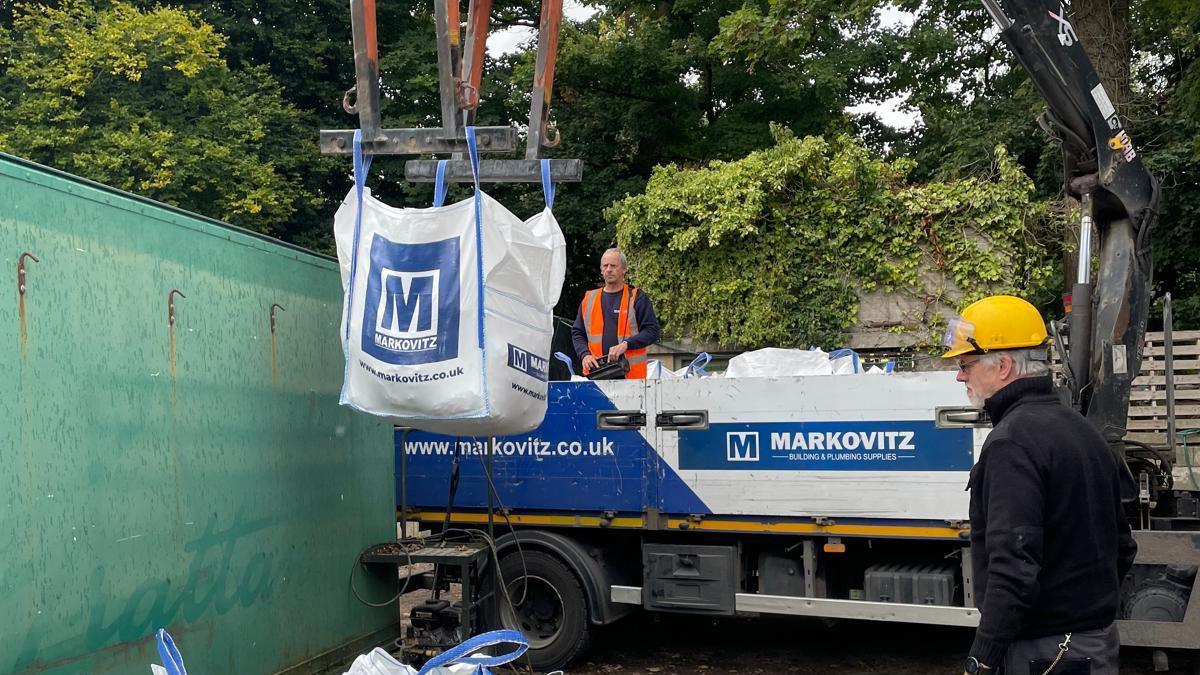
[[531, 364], [411, 311]]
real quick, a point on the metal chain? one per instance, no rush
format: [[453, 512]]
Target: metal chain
[[1063, 647]]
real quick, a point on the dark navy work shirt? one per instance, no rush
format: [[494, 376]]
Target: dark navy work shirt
[[610, 306]]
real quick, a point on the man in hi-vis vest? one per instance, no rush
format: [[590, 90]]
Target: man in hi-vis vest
[[615, 320]]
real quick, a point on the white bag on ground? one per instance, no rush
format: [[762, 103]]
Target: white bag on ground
[[448, 310], [461, 660]]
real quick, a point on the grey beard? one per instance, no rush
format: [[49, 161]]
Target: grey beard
[[976, 399]]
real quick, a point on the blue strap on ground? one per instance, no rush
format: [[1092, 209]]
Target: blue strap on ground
[[462, 653], [547, 184], [440, 188], [172, 661]]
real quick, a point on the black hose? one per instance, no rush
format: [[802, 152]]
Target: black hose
[[403, 588], [1159, 454]]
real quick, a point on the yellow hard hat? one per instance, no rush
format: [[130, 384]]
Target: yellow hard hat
[[993, 323]]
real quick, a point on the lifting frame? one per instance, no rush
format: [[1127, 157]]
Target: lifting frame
[[459, 78]]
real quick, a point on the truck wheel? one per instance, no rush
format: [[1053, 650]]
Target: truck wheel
[[553, 612]]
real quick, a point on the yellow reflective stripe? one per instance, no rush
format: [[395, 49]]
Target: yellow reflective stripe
[[589, 306], [632, 321], [568, 521], [908, 531], [745, 526]]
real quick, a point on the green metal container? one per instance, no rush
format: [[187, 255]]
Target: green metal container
[[176, 460]]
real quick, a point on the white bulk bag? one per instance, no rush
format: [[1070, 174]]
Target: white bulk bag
[[448, 310], [776, 362], [465, 659]]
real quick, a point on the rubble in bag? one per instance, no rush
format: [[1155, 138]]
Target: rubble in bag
[[777, 362], [447, 315]]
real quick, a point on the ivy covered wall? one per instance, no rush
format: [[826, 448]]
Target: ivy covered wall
[[813, 239]]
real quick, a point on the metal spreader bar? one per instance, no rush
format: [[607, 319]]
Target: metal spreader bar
[[419, 141], [495, 171], [460, 69]]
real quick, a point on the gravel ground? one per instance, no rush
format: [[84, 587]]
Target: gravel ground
[[662, 644], [687, 644]]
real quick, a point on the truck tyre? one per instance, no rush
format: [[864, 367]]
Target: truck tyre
[[553, 612]]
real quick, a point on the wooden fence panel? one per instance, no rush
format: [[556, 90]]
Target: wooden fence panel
[[1148, 398]]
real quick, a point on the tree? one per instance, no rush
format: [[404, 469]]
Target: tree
[[647, 83], [143, 101], [1167, 36], [777, 249]]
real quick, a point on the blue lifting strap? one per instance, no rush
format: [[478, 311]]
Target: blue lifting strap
[[440, 188], [462, 653], [547, 184]]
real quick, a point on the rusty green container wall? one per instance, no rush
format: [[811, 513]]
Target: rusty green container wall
[[203, 479]]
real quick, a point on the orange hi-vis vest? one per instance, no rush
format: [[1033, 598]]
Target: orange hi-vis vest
[[593, 317]]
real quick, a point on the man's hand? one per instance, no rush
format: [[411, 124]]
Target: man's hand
[[616, 351], [589, 362]]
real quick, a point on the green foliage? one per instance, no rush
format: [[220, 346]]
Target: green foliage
[[776, 249], [214, 105], [1170, 135], [646, 83], [143, 101]]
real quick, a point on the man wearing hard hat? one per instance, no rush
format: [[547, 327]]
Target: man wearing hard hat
[[1049, 540]]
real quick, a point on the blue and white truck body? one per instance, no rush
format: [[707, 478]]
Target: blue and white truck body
[[837, 496], [850, 447]]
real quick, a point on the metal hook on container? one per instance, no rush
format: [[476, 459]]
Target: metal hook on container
[[21, 270], [275, 306], [171, 304]]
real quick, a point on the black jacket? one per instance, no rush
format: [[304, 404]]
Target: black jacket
[[1049, 540]]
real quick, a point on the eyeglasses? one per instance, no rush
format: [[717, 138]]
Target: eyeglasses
[[965, 366]]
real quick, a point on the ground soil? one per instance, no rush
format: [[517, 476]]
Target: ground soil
[[664, 644]]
